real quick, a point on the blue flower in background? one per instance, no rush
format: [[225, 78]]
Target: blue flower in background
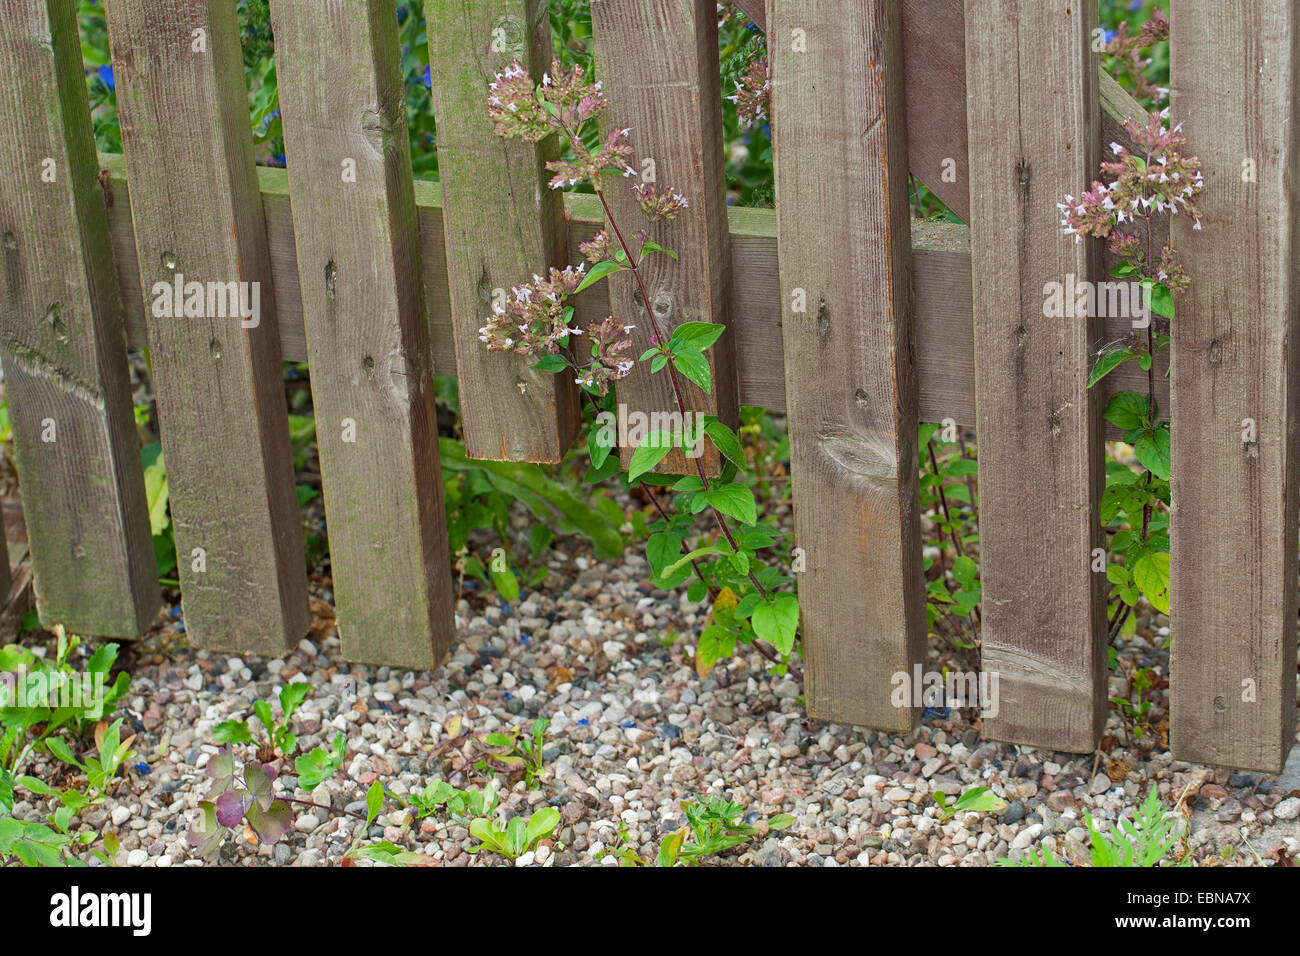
[[1108, 35], [1136, 5], [428, 80], [106, 76]]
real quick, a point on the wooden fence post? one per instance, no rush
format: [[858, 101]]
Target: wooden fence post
[[201, 239], [353, 203], [1234, 390], [1033, 122], [63, 343], [502, 224], [658, 63], [851, 396]]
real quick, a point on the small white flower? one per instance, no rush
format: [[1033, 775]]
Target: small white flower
[[1116, 148]]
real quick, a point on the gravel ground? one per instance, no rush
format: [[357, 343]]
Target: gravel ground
[[634, 731]]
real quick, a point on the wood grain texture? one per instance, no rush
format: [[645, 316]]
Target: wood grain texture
[[1233, 530], [198, 214], [940, 267], [63, 343], [1040, 453], [658, 62], [851, 396], [501, 224], [343, 105]]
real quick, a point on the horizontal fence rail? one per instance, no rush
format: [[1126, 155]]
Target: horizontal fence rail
[[843, 312]]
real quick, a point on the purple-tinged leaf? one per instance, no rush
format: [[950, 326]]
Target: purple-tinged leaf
[[271, 824], [258, 780], [231, 807]]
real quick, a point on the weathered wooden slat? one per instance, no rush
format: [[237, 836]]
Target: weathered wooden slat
[[501, 224], [940, 267], [935, 54], [197, 210], [851, 397], [338, 66], [658, 63], [62, 341], [1040, 452], [1233, 529]]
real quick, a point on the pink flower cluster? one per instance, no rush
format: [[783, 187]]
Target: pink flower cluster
[[561, 104], [534, 318], [611, 357], [1162, 180], [753, 93], [522, 109], [599, 248], [658, 206]]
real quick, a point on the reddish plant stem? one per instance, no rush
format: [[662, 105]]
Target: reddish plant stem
[[672, 374], [761, 645]]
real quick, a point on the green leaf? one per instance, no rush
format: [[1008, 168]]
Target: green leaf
[[777, 622], [981, 799], [1151, 572], [1152, 450], [598, 272], [59, 747], [662, 550], [735, 500], [782, 821], [726, 442], [649, 453], [655, 247], [600, 442], [698, 335], [1127, 410], [694, 365], [1107, 362], [541, 824], [374, 801], [155, 487], [232, 732], [1159, 298], [292, 696], [716, 643], [551, 363], [505, 582]]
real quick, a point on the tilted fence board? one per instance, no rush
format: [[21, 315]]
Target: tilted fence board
[[1233, 469], [502, 224], [63, 342], [658, 63], [1040, 451], [197, 211], [338, 66], [841, 174]]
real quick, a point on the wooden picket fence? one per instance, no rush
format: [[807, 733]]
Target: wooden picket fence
[[380, 282]]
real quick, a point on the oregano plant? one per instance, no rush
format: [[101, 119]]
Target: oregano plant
[[752, 601], [1155, 179]]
